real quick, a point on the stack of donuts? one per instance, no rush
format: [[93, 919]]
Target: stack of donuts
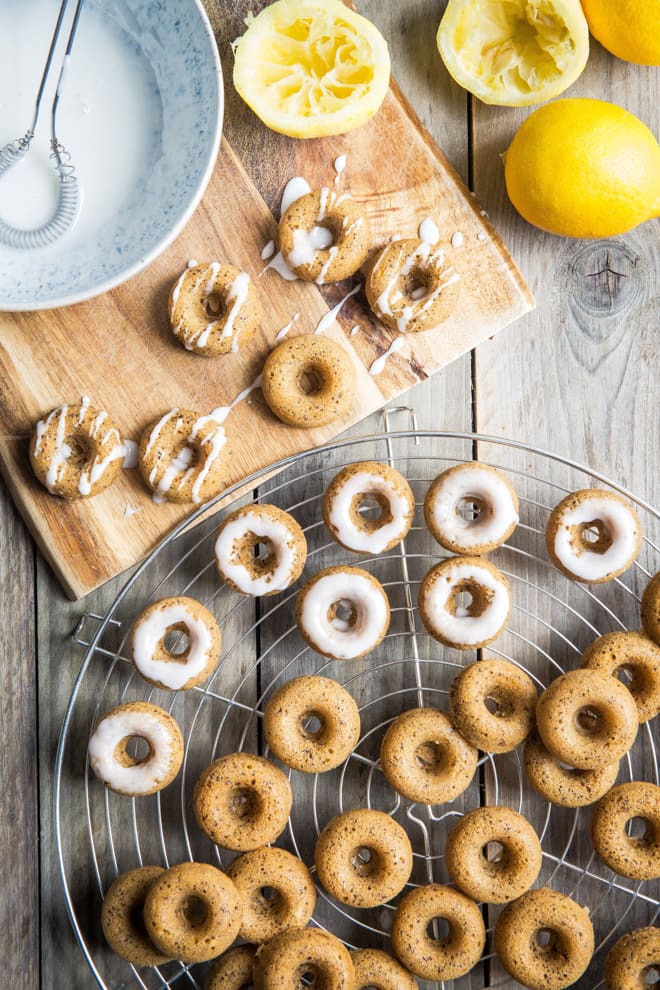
[[574, 734]]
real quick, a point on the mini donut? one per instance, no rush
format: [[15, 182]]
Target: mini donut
[[182, 457], [213, 308], [610, 519], [311, 952], [131, 775], [482, 487], [121, 917], [410, 286], [308, 381], [175, 671], [465, 627], [363, 858], [192, 912], [636, 858], [241, 532], [632, 959], [378, 970], [338, 590], [350, 490], [234, 970], [77, 451], [639, 656], [242, 801], [563, 785], [425, 759], [438, 959], [511, 694], [498, 880], [287, 732], [324, 236], [587, 719], [564, 958], [292, 894], [650, 609]]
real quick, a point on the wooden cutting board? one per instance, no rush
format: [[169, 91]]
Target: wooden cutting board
[[118, 348]]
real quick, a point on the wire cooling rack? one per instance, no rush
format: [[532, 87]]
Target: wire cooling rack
[[101, 834]]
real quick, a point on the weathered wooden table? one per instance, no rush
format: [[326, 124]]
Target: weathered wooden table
[[578, 376]]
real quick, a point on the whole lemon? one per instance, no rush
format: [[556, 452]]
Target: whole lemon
[[630, 29], [584, 168]]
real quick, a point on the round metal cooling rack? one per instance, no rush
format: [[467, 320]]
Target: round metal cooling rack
[[101, 834]]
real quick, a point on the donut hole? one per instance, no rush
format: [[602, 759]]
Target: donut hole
[[267, 894], [365, 861], [546, 941], [256, 554], [132, 751], [494, 853], [589, 721], [311, 380], [343, 615], [213, 305], [415, 284], [498, 705], [194, 911], [308, 975], [470, 508], [467, 600], [244, 803], [430, 756], [176, 641], [639, 830], [370, 510], [312, 725], [439, 931], [81, 449], [594, 536], [650, 975]]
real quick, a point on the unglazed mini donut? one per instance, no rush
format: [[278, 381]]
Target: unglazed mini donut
[[561, 961], [242, 531], [324, 236], [637, 858], [348, 492], [113, 764], [636, 654], [308, 381], [214, 308], [500, 880], [441, 959], [465, 627], [293, 892], [363, 858], [425, 759], [242, 801], [189, 936], [280, 963], [76, 451], [651, 608], [587, 719], [617, 535], [563, 785], [378, 970], [286, 720], [121, 917], [182, 457], [410, 286], [321, 605], [509, 691], [632, 959], [159, 665], [479, 486], [234, 970]]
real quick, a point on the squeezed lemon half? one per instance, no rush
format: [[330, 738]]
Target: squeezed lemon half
[[309, 68]]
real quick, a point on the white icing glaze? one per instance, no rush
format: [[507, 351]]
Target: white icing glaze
[[390, 295], [618, 520], [142, 777], [262, 526], [220, 413], [84, 405], [378, 365], [428, 231], [464, 628], [338, 638], [281, 334], [295, 189], [155, 432], [481, 236], [130, 510], [152, 628], [211, 444], [307, 244], [457, 239], [268, 250], [278, 264], [180, 468], [92, 472], [329, 318], [237, 296], [472, 482], [355, 329], [339, 166], [347, 532], [130, 454], [192, 263]]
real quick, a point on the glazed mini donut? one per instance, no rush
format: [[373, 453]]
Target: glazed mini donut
[[182, 457], [286, 724], [479, 486], [308, 381], [561, 961], [610, 519], [121, 917], [349, 491], [117, 768], [587, 719], [465, 627], [324, 236], [410, 286], [425, 759], [636, 654], [334, 591], [175, 671], [363, 858], [77, 451], [305, 951], [650, 609], [242, 802], [234, 970], [564, 785], [632, 959], [637, 858], [511, 695], [293, 894], [242, 531], [438, 959], [192, 935], [213, 308], [499, 880], [378, 970]]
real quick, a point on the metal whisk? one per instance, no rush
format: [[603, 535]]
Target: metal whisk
[[68, 200]]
